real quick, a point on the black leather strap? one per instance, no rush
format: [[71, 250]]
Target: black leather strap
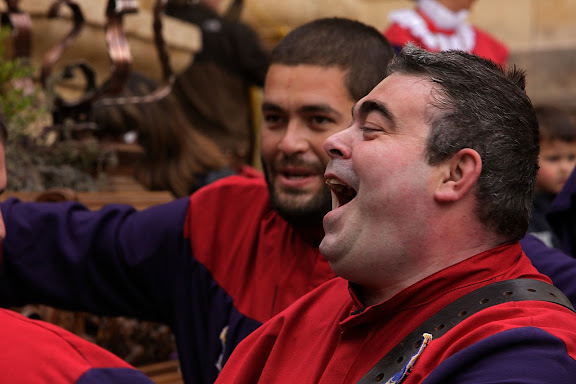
[[458, 311]]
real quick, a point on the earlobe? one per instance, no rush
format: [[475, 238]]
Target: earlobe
[[459, 175]]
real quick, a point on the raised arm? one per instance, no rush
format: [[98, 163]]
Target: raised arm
[[114, 261]]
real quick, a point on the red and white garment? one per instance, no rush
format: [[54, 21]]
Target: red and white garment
[[436, 28]]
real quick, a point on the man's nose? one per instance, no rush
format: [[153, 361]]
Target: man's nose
[[336, 145], [294, 140]]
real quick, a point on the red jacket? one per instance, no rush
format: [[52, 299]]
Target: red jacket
[[328, 337], [33, 351]]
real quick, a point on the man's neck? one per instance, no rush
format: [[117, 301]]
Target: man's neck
[[438, 255]]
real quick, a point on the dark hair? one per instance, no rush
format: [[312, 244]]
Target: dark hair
[[337, 42], [479, 106], [555, 124], [176, 156]]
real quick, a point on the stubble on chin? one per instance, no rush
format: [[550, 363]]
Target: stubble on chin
[[301, 209], [298, 207]]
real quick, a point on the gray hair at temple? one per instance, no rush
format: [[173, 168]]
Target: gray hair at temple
[[337, 42], [481, 106]]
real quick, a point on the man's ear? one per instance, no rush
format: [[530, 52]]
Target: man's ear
[[459, 175]]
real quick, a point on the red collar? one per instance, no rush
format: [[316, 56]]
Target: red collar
[[504, 262]]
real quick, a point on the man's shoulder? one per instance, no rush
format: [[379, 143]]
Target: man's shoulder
[[234, 196], [518, 333], [237, 188], [44, 336], [31, 344], [514, 318], [16, 326], [520, 354], [237, 182]]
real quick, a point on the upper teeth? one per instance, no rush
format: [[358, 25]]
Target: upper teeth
[[339, 186], [334, 182]]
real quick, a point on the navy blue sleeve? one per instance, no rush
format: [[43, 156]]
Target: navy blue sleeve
[[114, 261], [554, 263], [526, 355], [113, 376]]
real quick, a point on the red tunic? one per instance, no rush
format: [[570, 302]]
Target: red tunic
[[33, 351], [259, 259], [327, 337]]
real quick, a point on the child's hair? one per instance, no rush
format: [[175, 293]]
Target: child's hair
[[555, 124]]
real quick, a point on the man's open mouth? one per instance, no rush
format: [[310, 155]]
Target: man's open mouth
[[343, 192]]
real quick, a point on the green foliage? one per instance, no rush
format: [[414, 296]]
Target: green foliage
[[36, 161], [20, 102]]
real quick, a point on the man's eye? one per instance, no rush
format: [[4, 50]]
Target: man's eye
[[321, 120], [370, 130], [272, 119]]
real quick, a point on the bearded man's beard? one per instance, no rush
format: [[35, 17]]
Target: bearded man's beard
[[288, 203]]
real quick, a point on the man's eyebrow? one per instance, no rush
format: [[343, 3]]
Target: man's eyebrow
[[267, 106], [319, 108], [311, 108], [374, 106]]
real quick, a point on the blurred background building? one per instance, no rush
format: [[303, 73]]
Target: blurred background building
[[541, 34]]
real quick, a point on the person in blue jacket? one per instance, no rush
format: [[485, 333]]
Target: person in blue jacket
[[558, 263], [557, 160]]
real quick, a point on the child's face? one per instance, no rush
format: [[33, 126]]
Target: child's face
[[557, 160]]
